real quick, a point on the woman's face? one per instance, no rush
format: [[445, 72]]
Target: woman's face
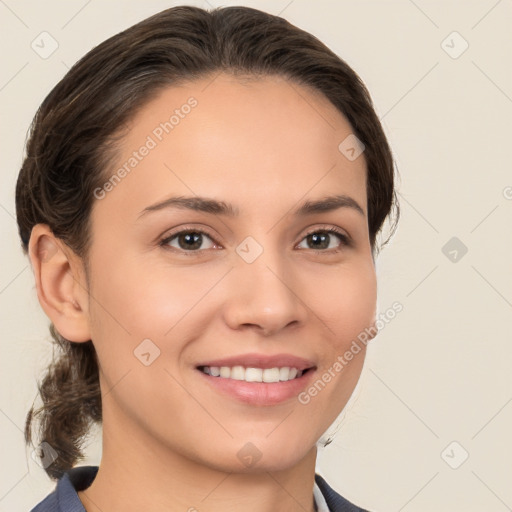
[[260, 279]]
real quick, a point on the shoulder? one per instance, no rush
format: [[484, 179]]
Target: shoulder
[[335, 501], [65, 496]]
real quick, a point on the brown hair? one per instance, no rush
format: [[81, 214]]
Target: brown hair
[[72, 140]]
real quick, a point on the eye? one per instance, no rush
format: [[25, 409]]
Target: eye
[[193, 240], [190, 240], [324, 240]]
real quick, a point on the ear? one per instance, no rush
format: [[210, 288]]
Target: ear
[[61, 284]]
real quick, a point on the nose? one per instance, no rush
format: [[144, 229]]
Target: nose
[[264, 296]]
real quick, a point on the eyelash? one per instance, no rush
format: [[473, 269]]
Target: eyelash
[[344, 239]]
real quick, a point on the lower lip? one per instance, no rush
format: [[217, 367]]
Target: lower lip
[[259, 393]]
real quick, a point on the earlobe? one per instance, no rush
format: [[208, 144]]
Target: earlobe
[[60, 284]]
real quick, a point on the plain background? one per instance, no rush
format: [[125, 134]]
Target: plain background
[[439, 372]]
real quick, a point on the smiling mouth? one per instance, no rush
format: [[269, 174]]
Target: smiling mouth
[[249, 374]]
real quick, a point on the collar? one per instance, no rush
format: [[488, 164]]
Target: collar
[[320, 503]]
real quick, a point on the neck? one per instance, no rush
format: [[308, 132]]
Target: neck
[[139, 473]]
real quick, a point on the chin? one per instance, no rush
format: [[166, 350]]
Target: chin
[[263, 454]]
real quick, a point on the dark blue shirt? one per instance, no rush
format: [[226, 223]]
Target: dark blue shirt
[[65, 496]]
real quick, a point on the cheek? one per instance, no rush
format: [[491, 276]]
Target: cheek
[[346, 301], [346, 305], [131, 302], [144, 299]]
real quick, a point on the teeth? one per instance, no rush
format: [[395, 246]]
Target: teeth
[[271, 375], [238, 373], [254, 374]]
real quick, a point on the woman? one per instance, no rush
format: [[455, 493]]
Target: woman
[[200, 202]]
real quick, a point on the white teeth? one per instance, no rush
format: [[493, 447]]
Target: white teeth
[[238, 373], [271, 375], [284, 373], [254, 374]]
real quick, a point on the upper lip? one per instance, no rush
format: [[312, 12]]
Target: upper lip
[[262, 361]]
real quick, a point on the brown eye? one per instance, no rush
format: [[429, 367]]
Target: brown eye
[[190, 241], [325, 240]]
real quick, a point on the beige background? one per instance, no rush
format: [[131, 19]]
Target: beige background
[[440, 371]]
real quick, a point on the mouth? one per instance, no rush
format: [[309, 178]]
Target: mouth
[[250, 374], [256, 386]]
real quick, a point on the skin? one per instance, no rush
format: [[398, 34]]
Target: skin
[[170, 441]]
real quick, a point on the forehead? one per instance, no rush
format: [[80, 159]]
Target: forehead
[[247, 141]]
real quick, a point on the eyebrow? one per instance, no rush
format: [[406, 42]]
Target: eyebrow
[[213, 206]]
